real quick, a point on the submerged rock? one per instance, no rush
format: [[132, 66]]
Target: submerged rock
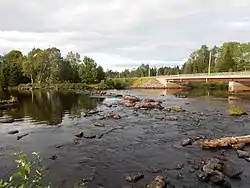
[[242, 154], [79, 135], [89, 136], [231, 171], [99, 124], [53, 157], [7, 120], [134, 177], [202, 176], [217, 178], [159, 182], [21, 136], [187, 142], [239, 146], [113, 116], [91, 112], [13, 132], [171, 118]]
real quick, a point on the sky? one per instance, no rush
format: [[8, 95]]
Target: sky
[[120, 34]]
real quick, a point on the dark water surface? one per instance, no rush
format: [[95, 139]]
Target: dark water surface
[[139, 144]]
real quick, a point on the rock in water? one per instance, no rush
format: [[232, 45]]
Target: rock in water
[[7, 120], [187, 142], [202, 176], [239, 146], [217, 178], [91, 112], [53, 157], [79, 135], [13, 132], [171, 118], [91, 136], [21, 136], [134, 177], [159, 182], [98, 124], [231, 171], [242, 154]]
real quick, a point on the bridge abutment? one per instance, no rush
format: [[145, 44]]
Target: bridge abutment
[[238, 86]]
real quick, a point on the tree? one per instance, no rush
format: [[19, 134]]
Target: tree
[[74, 60], [100, 74], [12, 65], [88, 71], [225, 61]]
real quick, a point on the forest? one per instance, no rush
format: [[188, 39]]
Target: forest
[[49, 66]]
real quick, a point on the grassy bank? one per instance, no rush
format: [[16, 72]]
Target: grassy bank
[[121, 83]]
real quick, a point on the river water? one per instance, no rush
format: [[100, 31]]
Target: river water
[[140, 143]]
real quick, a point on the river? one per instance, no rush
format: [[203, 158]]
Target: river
[[141, 142]]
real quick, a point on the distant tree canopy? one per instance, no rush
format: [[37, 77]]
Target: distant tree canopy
[[48, 65], [230, 56]]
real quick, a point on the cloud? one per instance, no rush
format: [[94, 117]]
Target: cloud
[[123, 33]]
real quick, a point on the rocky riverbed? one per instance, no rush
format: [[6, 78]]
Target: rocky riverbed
[[135, 143]]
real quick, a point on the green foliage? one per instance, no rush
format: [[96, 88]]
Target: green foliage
[[208, 85], [89, 72], [236, 111], [24, 177], [230, 56], [176, 108]]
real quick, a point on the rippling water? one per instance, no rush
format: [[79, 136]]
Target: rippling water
[[139, 143]]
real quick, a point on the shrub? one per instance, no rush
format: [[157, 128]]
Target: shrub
[[236, 111], [23, 178]]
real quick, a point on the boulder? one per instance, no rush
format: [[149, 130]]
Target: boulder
[[7, 120], [239, 146], [187, 142], [242, 154], [217, 178], [79, 135], [159, 182], [202, 176], [89, 136], [113, 116], [13, 132], [99, 124], [21, 136], [231, 171], [91, 112], [134, 177], [171, 118], [130, 98]]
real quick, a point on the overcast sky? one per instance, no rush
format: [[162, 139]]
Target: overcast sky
[[123, 33]]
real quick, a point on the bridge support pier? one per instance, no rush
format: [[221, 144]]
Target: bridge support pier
[[238, 86]]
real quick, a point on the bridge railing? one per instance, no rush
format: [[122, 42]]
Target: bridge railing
[[207, 74]]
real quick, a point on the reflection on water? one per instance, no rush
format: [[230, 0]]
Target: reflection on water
[[48, 106]]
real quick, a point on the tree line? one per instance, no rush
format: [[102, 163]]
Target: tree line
[[230, 56], [47, 66]]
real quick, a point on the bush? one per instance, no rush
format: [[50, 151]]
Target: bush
[[236, 111], [23, 178]]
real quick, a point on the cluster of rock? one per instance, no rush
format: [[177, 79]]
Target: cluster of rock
[[216, 171], [158, 182], [143, 104], [100, 93]]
